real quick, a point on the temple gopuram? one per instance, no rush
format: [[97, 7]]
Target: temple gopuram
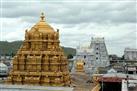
[[40, 60]]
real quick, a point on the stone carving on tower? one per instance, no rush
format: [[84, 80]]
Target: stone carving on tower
[[40, 60]]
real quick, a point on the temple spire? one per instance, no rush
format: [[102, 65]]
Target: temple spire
[[42, 16]]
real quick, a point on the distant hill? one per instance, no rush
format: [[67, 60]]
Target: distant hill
[[10, 48]]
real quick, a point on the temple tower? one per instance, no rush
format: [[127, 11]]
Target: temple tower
[[40, 60], [100, 51], [94, 56]]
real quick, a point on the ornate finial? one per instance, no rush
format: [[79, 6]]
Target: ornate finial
[[42, 16]]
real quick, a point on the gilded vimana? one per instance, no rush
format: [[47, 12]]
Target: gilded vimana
[[92, 45], [40, 60]]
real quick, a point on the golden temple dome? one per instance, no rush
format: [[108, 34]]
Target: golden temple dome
[[42, 26]]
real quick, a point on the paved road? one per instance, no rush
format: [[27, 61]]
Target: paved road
[[80, 82]]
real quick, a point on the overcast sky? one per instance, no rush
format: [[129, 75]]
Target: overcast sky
[[78, 21]]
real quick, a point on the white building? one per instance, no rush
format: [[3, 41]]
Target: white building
[[85, 54], [130, 54], [3, 69], [95, 55]]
